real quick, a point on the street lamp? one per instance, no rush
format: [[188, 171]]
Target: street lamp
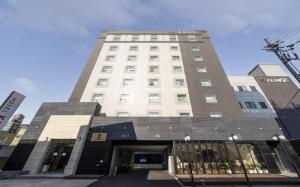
[[233, 138], [187, 139], [279, 138]]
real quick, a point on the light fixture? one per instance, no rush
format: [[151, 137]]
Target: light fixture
[[170, 127], [233, 137], [187, 138]]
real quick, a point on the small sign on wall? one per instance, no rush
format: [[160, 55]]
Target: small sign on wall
[[99, 137]]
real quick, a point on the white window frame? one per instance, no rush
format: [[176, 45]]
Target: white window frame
[[179, 85], [135, 37], [215, 114], [157, 59], [158, 100], [154, 79], [153, 37], [121, 114], [155, 72], [191, 38], [133, 48], [173, 57], [106, 81], [110, 58], [210, 98], [201, 68], [157, 114], [110, 69], [125, 98], [180, 114], [127, 68], [97, 94], [131, 82], [198, 58], [205, 82], [132, 60], [116, 37], [172, 38], [154, 46], [174, 71], [182, 101], [195, 49], [173, 48], [116, 48]]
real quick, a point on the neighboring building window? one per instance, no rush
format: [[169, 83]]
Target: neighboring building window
[[181, 98], [216, 114], [133, 48], [263, 105], [102, 82], [130, 69], [97, 98], [195, 49], [253, 88], [153, 114], [210, 98], [179, 82], [127, 82], [153, 48], [241, 105], [154, 98], [198, 58], [192, 38], [201, 68], [116, 37], [242, 88], [174, 48], [154, 38], [153, 58], [110, 58], [122, 114], [125, 98], [173, 38], [153, 83], [177, 69], [205, 82], [184, 114], [250, 105], [175, 58], [106, 69], [153, 69], [135, 37], [113, 48], [132, 58]]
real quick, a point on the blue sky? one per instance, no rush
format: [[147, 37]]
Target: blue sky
[[44, 44]]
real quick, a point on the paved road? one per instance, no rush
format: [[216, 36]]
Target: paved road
[[45, 183], [137, 178]]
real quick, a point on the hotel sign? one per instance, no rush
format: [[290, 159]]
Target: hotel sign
[[9, 106], [99, 137], [276, 80]]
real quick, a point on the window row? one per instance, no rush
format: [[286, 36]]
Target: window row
[[181, 114], [252, 105], [134, 48], [245, 89], [153, 38]]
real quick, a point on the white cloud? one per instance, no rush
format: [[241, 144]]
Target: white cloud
[[24, 85]]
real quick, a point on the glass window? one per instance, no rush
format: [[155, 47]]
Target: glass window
[[179, 82], [184, 114], [132, 58], [174, 48], [210, 98], [201, 68], [154, 38], [116, 37], [250, 105], [153, 48], [102, 82], [130, 69], [253, 88], [195, 49], [154, 98], [216, 114], [181, 98], [106, 69], [263, 105], [153, 69], [110, 58], [153, 114], [153, 58], [192, 38], [198, 58], [173, 38], [177, 69], [133, 48], [135, 37], [153, 82], [205, 82], [175, 58], [97, 97], [127, 82], [125, 98], [113, 48], [122, 114], [242, 88]]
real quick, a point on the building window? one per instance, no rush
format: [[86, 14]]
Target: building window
[[263, 105], [130, 69], [110, 58], [102, 82], [216, 114], [174, 48], [253, 88], [97, 98], [125, 98], [153, 82], [122, 114], [181, 98], [153, 58], [113, 48], [173, 38], [195, 49], [242, 88], [116, 37], [192, 38], [210, 98], [132, 58], [153, 114], [179, 82], [205, 82], [198, 58], [184, 114], [153, 69], [175, 58], [250, 105], [153, 48], [177, 69], [201, 68], [127, 82], [106, 69], [154, 99], [135, 37], [154, 38], [133, 48]]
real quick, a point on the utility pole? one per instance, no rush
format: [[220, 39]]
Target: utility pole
[[286, 55]]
